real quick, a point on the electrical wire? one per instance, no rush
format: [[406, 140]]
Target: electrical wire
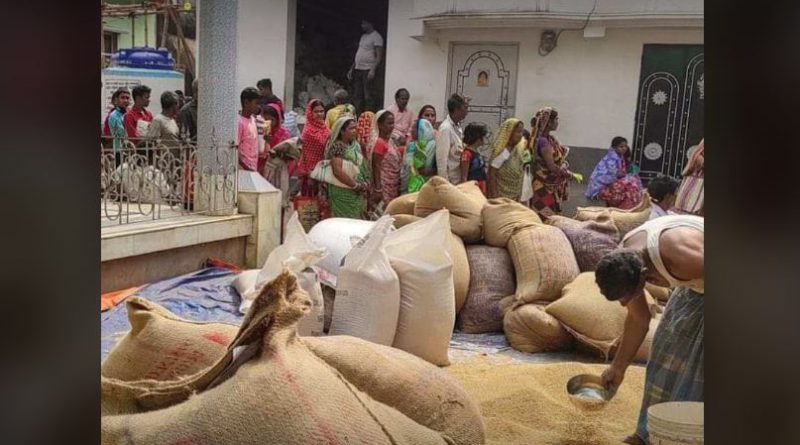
[[558, 34]]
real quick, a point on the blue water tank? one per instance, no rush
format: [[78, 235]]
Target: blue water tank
[[143, 57]]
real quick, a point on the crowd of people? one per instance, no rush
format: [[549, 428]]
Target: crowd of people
[[355, 165]]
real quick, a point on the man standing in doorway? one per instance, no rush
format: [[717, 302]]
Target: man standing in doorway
[[137, 119], [267, 96], [362, 72], [449, 142]]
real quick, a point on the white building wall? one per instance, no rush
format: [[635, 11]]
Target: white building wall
[[592, 82], [265, 40]]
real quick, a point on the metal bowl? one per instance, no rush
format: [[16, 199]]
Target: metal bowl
[[586, 391]]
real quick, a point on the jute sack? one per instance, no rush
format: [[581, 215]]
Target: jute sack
[[588, 315], [402, 205], [423, 392], [661, 294], [163, 346], [491, 279], [625, 220], [268, 385], [591, 240], [543, 261], [463, 203], [529, 328], [401, 220], [502, 217], [461, 270], [419, 254], [643, 353]]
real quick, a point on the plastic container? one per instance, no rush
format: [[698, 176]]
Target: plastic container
[[143, 57], [676, 423]]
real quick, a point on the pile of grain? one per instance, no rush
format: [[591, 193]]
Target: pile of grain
[[528, 403]]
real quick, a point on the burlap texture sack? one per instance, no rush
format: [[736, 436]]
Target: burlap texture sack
[[503, 217], [588, 315], [591, 240], [401, 220], [491, 279], [162, 346], [268, 386], [402, 205], [544, 263], [463, 203], [625, 220], [461, 270], [529, 328], [423, 392]]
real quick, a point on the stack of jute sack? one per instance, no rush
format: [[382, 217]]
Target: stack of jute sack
[[390, 288], [174, 381], [530, 278]]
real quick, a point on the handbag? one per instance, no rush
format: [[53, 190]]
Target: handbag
[[323, 172], [527, 185]]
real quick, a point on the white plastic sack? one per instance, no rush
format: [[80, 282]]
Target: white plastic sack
[[368, 291], [419, 254], [334, 234], [298, 253]]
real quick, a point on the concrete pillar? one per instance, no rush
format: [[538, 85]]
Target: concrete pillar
[[217, 110], [261, 199]]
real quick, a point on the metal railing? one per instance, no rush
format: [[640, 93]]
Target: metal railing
[[152, 180]]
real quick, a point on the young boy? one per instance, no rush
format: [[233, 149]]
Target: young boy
[[662, 190], [138, 118], [247, 131]]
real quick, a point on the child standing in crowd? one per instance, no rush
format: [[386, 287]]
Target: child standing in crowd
[[138, 118], [246, 130], [473, 166]]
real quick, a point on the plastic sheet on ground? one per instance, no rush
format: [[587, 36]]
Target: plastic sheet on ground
[[205, 295], [493, 347], [208, 295]]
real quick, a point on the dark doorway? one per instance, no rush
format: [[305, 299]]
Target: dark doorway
[[326, 41]]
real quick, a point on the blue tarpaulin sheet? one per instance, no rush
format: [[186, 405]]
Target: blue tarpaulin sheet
[[205, 295]]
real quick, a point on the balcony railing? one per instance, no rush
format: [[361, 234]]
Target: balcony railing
[[152, 180]]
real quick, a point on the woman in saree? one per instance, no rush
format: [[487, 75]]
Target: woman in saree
[[315, 137], [277, 165], [386, 159], [343, 147], [364, 132], [550, 169], [419, 159], [610, 180], [508, 161]]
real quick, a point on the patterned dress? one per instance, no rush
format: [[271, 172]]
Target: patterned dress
[[345, 202], [623, 192], [550, 189]]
